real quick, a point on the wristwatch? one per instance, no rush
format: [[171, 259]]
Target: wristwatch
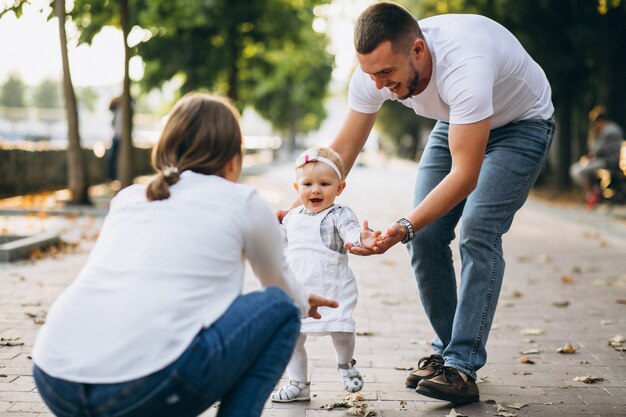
[[408, 227]]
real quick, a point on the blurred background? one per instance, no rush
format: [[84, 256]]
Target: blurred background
[[67, 67]]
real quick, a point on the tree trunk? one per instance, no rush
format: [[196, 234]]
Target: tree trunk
[[126, 165], [76, 172], [233, 74], [616, 62], [564, 143]]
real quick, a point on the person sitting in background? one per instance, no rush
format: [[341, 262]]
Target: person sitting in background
[[607, 137]]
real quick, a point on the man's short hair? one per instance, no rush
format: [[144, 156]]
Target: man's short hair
[[383, 22]]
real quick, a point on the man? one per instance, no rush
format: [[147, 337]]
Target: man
[[493, 106], [604, 154]]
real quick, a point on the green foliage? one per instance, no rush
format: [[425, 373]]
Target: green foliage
[[262, 53], [288, 85], [87, 97], [47, 95], [12, 93]]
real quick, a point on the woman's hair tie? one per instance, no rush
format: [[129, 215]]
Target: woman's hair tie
[[170, 170]]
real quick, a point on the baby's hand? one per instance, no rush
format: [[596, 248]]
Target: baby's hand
[[368, 237]]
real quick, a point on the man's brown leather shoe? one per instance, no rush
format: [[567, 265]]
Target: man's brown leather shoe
[[450, 385], [427, 367]]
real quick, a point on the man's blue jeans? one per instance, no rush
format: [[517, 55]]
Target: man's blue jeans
[[238, 361], [514, 156]]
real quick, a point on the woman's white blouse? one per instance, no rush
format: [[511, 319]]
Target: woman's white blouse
[[159, 273]]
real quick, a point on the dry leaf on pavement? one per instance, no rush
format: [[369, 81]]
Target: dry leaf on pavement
[[403, 368], [567, 279], [361, 410], [526, 359], [454, 413], [588, 379], [533, 332], [561, 303], [517, 406], [10, 341], [335, 404], [568, 348], [617, 343], [503, 411], [530, 352]]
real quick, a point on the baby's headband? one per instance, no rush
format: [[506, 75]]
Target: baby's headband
[[312, 155]]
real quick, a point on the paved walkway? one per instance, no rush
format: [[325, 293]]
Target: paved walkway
[[565, 283]]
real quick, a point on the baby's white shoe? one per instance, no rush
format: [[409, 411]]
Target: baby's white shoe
[[293, 391], [352, 379]]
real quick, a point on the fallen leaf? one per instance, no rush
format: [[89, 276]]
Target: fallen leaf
[[403, 368], [490, 401], [533, 332], [454, 413], [588, 379], [10, 341], [517, 294], [576, 269], [530, 352], [335, 404], [523, 258], [365, 333], [606, 322], [517, 406], [526, 359], [561, 303], [621, 301], [505, 414], [599, 282], [549, 403], [617, 343], [357, 396], [568, 348], [544, 258], [361, 410], [567, 279]]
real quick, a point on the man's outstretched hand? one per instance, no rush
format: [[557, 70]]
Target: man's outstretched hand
[[394, 234]]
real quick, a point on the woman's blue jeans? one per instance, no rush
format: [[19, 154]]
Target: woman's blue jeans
[[237, 361], [514, 157]]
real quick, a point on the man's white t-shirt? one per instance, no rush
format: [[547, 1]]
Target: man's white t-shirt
[[479, 70]]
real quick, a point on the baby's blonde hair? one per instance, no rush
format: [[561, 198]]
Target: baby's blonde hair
[[327, 153]]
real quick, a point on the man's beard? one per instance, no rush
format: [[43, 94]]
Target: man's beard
[[412, 86]]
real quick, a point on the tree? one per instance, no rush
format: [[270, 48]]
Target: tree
[[579, 44], [87, 97], [402, 127], [76, 170], [288, 85], [47, 95], [12, 94], [90, 17], [223, 45], [77, 174]]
